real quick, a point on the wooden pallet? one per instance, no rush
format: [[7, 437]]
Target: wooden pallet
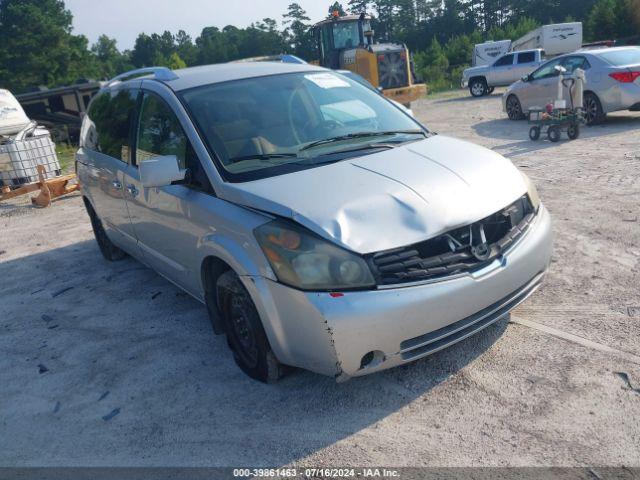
[[49, 189]]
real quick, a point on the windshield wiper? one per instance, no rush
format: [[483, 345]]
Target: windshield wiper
[[368, 146], [361, 135], [263, 156]]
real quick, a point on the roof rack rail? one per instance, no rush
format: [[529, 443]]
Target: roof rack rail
[[159, 73]]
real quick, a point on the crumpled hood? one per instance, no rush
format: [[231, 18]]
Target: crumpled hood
[[390, 199]]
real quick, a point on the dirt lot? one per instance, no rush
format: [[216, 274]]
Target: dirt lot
[[108, 364]]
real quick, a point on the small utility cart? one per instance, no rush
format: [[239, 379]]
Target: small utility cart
[[557, 117], [555, 122]]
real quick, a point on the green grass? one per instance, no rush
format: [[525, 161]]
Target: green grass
[[66, 156], [445, 94]]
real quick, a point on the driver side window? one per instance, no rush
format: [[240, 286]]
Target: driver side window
[[160, 133], [546, 71]]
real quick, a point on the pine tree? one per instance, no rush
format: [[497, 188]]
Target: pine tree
[[359, 6]]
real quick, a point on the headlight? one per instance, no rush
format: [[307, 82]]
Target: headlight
[[532, 192], [302, 260]]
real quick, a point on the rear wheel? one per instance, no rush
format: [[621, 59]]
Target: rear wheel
[[534, 133], [107, 248], [593, 113], [554, 134], [478, 87], [514, 109], [245, 335]]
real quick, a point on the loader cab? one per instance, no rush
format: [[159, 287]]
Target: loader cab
[[337, 34]]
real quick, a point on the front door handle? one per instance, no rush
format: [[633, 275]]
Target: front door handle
[[133, 191], [116, 184]]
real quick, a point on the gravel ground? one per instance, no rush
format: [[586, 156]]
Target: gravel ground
[[110, 365]]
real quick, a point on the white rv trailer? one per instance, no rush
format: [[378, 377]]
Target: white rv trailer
[[488, 52], [554, 39]]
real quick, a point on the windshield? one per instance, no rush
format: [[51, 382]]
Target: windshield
[[266, 126], [346, 35], [621, 58]]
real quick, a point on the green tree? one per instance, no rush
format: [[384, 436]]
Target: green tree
[[110, 61], [298, 32], [359, 6], [337, 7], [432, 66], [174, 62], [185, 47], [611, 19], [37, 46]]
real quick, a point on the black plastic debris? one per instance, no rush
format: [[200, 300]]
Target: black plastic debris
[[155, 295], [625, 378], [42, 368], [113, 413], [104, 395], [60, 292]]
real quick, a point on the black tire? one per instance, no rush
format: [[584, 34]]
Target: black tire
[[245, 334], [593, 113], [554, 133], [478, 87], [490, 90], [534, 133], [573, 131], [109, 251], [514, 109]]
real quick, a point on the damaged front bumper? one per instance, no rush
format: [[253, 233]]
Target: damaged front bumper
[[356, 333]]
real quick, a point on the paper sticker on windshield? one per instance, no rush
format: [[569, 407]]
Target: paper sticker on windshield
[[327, 80]]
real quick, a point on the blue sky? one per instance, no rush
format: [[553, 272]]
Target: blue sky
[[125, 19]]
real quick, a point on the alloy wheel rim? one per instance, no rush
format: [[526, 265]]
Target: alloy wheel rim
[[477, 88], [513, 107], [591, 109]]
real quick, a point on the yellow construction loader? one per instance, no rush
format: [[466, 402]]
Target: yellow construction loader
[[346, 43]]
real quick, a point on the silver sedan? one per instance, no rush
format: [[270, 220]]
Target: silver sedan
[[613, 83]]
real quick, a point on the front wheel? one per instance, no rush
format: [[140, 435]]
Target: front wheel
[[245, 335], [573, 131], [514, 109], [478, 87]]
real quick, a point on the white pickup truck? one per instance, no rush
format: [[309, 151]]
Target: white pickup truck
[[504, 71]]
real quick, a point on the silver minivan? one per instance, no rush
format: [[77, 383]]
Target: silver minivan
[[323, 227]]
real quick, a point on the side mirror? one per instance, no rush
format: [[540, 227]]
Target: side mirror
[[526, 78], [160, 171]]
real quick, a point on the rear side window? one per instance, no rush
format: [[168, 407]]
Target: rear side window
[[107, 128], [506, 60], [573, 63], [527, 57], [622, 58]]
